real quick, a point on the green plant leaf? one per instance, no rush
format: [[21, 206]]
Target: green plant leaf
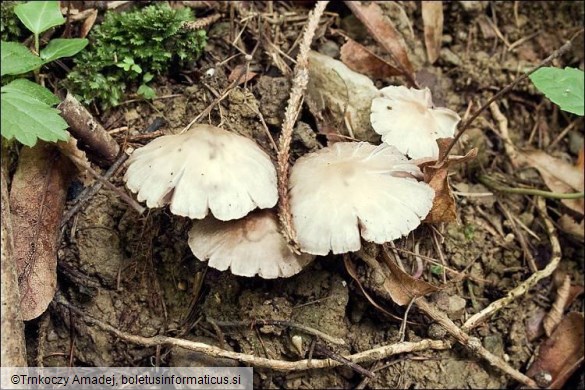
[[146, 92], [17, 59], [60, 47], [33, 90], [563, 87], [39, 16], [28, 119]]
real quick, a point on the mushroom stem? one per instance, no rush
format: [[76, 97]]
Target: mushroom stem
[[292, 111]]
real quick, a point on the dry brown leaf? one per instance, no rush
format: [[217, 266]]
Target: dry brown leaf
[[558, 175], [437, 176], [350, 267], [12, 335], [69, 148], [88, 23], [360, 59], [402, 287], [432, 14], [569, 225], [240, 73], [562, 353], [37, 198], [384, 32]]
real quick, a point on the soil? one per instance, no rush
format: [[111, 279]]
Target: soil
[[138, 274]]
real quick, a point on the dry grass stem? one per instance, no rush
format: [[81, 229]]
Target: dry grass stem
[[293, 108]]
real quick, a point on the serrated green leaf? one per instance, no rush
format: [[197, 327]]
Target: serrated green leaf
[[28, 119], [33, 90], [61, 47], [39, 16], [17, 59], [563, 87]]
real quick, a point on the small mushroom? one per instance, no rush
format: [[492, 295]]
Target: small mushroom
[[249, 246], [407, 119], [349, 189], [206, 168]]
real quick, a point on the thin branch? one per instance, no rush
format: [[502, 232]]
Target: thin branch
[[473, 343], [124, 196], [89, 192], [278, 365]]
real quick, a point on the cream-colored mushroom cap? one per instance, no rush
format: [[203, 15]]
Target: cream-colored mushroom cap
[[352, 189], [249, 246], [406, 119], [206, 168]]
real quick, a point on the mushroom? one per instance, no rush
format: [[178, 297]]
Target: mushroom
[[249, 246], [349, 189], [407, 119], [206, 168]]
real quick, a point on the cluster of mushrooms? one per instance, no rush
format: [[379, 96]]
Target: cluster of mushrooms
[[338, 195]]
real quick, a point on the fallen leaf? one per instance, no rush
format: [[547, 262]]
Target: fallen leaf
[[432, 14], [37, 199], [562, 353], [437, 176], [69, 148], [240, 73], [397, 285], [569, 225], [384, 32], [401, 286], [88, 23], [558, 175], [360, 59]]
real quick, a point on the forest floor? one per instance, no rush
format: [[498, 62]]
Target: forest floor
[[137, 273]]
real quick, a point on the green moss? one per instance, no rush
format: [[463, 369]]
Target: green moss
[[151, 38]]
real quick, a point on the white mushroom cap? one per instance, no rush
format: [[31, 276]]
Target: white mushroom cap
[[206, 168], [406, 118], [352, 188], [252, 245]]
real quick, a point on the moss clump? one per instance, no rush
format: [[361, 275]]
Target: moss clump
[[10, 26], [129, 49]]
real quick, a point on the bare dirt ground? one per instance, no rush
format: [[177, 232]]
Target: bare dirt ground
[[138, 274]]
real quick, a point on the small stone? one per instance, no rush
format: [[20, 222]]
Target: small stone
[[449, 57], [436, 331]]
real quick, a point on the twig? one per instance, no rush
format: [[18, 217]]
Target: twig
[[473, 343], [304, 328], [278, 365], [89, 131], [474, 320], [555, 315], [335, 356], [124, 196], [463, 126], [293, 108], [491, 183], [89, 192]]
